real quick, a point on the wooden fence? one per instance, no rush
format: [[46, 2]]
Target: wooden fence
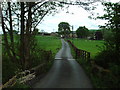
[[79, 53], [86, 55]]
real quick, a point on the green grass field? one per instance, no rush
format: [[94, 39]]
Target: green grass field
[[92, 46], [49, 43]]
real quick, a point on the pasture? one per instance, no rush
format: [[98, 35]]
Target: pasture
[[92, 46], [49, 43]]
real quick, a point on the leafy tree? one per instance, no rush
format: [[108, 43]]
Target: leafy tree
[[106, 33], [113, 17], [23, 16], [82, 32], [26, 16], [64, 29]]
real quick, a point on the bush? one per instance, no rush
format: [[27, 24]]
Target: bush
[[22, 86], [115, 74], [105, 57], [8, 69], [40, 56]]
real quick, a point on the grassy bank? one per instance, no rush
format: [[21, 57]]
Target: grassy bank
[[39, 55]]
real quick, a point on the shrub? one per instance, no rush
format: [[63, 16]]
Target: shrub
[[19, 85], [8, 69], [105, 57]]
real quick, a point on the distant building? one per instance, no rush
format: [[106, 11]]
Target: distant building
[[54, 34], [73, 34], [44, 33], [98, 35]]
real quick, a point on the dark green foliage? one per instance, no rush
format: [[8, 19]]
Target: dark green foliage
[[106, 79], [109, 57], [20, 86], [64, 29], [8, 70], [82, 32], [113, 17], [112, 39], [40, 56], [107, 34], [106, 57]]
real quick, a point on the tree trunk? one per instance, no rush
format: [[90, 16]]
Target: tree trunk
[[117, 36], [22, 57], [6, 44], [11, 28], [28, 37], [11, 34]]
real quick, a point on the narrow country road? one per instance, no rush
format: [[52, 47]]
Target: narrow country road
[[65, 72]]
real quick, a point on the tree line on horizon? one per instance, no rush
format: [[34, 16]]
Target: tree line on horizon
[[64, 29]]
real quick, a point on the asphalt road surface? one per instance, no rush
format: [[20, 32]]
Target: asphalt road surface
[[65, 72]]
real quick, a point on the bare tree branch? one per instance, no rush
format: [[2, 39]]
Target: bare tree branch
[[6, 19], [40, 20], [39, 6], [79, 2], [6, 27]]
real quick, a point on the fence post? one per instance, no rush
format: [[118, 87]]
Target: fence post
[[88, 56], [85, 55], [76, 52], [82, 54]]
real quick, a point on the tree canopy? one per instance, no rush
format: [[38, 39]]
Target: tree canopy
[[82, 32], [64, 29], [113, 16]]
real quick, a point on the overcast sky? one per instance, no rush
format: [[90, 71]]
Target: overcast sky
[[77, 17]]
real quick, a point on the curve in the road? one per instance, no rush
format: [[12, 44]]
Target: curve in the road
[[65, 72]]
